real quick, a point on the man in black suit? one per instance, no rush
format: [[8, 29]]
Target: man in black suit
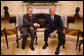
[[29, 26], [54, 25]]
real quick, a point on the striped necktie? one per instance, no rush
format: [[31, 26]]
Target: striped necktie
[[31, 18]]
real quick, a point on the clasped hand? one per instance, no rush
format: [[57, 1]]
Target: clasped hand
[[36, 25], [54, 32]]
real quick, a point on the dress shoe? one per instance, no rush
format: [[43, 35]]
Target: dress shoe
[[63, 47], [57, 51], [32, 48], [45, 45], [23, 47]]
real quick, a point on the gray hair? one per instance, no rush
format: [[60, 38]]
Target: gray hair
[[29, 8], [51, 8]]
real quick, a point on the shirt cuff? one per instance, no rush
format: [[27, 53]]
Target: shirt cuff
[[34, 24]]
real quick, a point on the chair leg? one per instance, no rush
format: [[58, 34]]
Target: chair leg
[[36, 41], [81, 42], [79, 47], [17, 40], [77, 41], [6, 40], [17, 43], [17, 37]]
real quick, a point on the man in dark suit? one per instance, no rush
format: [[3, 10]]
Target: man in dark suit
[[29, 25], [54, 25]]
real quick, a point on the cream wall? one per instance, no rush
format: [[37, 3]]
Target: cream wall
[[67, 7], [15, 7]]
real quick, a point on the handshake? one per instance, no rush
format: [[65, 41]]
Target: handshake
[[36, 25]]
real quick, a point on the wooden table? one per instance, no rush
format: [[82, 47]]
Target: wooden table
[[3, 31], [12, 19], [71, 19]]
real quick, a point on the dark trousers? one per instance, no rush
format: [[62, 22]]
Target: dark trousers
[[61, 36], [25, 32]]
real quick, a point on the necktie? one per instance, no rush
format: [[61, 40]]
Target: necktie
[[31, 18], [52, 19]]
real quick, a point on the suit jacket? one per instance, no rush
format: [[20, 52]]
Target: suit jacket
[[57, 23], [26, 20]]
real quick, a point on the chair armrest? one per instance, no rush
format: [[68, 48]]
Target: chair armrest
[[16, 26], [65, 30]]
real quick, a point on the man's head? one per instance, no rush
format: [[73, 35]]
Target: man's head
[[29, 10], [52, 11]]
